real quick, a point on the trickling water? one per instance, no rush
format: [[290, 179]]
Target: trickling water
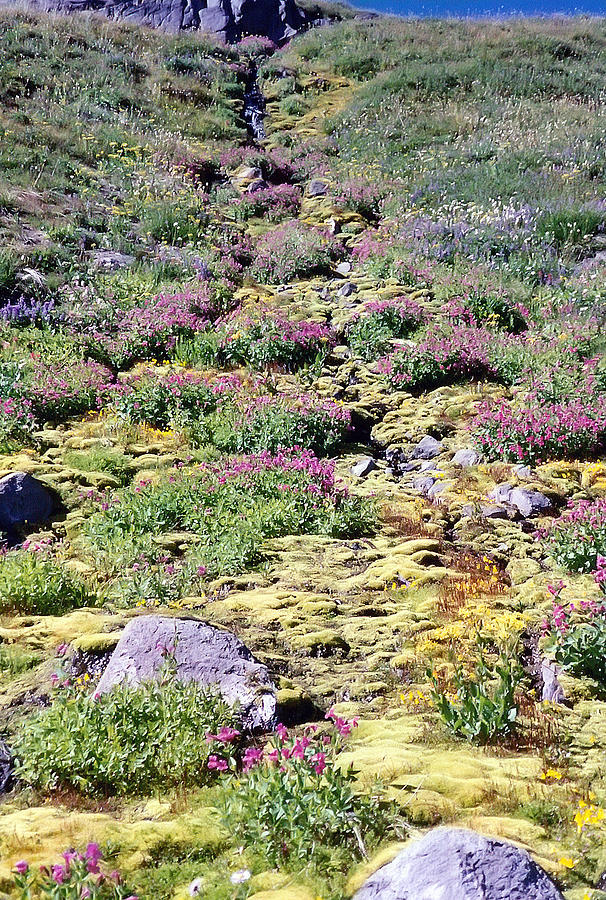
[[254, 105]]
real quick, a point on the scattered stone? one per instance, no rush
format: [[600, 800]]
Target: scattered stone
[[466, 458], [501, 492], [427, 448], [317, 188], [347, 289], [529, 503], [24, 501], [111, 260], [363, 467], [202, 653], [456, 864], [259, 184], [344, 268], [424, 484], [553, 691], [523, 472], [6, 768]]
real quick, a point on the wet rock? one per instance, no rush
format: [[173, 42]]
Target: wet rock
[[6, 768], [24, 501], [456, 864], [427, 448], [203, 654], [347, 289], [363, 467], [317, 188], [466, 457], [529, 503], [231, 19]]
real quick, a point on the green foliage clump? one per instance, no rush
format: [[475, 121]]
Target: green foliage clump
[[231, 507], [295, 804], [32, 583], [100, 459], [484, 708], [131, 740], [370, 334]]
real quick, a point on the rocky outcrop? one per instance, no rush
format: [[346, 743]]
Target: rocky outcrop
[[231, 19], [210, 656], [456, 864], [23, 501]]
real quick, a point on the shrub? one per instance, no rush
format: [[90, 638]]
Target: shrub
[[16, 422], [485, 707], [272, 340], [577, 638], [32, 583], [131, 740], [175, 399], [232, 506], [149, 331], [293, 250], [577, 539], [272, 203], [372, 329], [79, 875], [271, 423], [362, 197], [492, 308], [442, 358], [294, 802], [58, 390], [534, 434]]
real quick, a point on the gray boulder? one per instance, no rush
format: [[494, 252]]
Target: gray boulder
[[529, 503], [230, 19], [317, 188], [465, 458], [427, 448], [201, 653], [456, 864], [363, 467], [24, 501]]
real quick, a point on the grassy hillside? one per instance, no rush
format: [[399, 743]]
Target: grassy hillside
[[341, 392]]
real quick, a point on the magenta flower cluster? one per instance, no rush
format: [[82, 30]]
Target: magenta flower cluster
[[537, 433], [79, 875]]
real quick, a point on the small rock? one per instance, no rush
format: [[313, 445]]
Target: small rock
[[203, 654], [494, 511], [248, 173], [363, 467], [501, 493], [552, 689], [529, 503], [317, 188], [6, 768], [427, 448], [24, 501], [344, 268], [466, 458], [457, 864], [111, 260], [259, 184], [347, 289], [423, 485], [523, 472]]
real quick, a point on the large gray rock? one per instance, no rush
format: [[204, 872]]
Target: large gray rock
[[230, 19], [427, 448], [203, 654], [24, 501], [456, 864]]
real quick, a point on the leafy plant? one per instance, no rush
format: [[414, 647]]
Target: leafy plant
[[577, 638], [483, 708], [371, 331], [32, 582], [577, 538], [130, 740], [79, 876], [294, 802]]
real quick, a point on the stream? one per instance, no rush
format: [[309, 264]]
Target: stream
[[254, 105]]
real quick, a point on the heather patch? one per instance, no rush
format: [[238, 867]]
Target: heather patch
[[272, 340], [577, 538], [537, 433], [294, 250]]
